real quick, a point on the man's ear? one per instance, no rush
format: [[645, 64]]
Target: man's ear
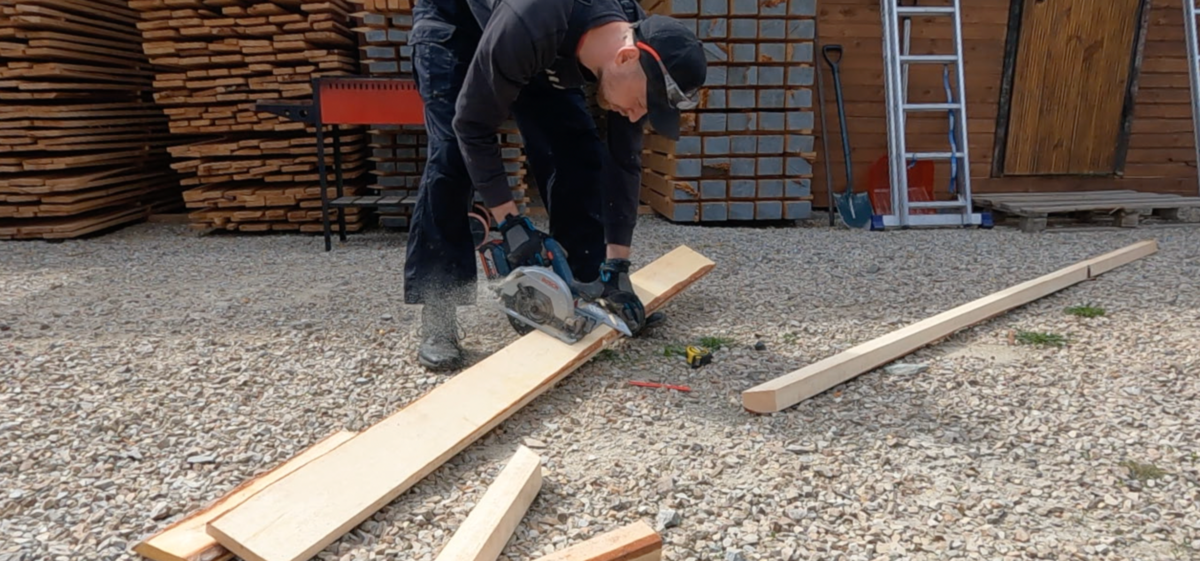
[[627, 54]]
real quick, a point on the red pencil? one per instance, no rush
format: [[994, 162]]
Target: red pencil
[[658, 385]]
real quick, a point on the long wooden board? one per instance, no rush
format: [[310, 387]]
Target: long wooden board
[[635, 542], [309, 509], [186, 539], [790, 389], [483, 535]]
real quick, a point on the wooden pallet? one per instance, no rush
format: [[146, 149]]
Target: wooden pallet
[[1033, 210]]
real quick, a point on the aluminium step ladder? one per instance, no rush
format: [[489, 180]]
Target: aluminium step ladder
[[958, 212], [1193, 55]]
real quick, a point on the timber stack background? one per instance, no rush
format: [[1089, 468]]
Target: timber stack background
[[83, 147], [115, 109]]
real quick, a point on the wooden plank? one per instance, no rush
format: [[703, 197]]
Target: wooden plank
[[306, 511], [790, 389], [186, 539], [483, 535], [634, 542]]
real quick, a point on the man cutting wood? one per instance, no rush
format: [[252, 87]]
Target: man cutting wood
[[477, 62]]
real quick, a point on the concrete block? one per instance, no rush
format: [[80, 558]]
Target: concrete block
[[406, 153], [741, 167], [687, 167], [510, 153], [768, 210], [374, 20], [798, 210], [688, 146], [772, 52], [716, 99], [688, 193], [743, 29], [745, 7], [712, 189], [771, 121], [742, 99], [772, 29], [716, 52], [770, 165], [798, 166], [685, 212], [799, 120], [800, 76], [797, 188], [397, 36], [797, 143], [717, 76], [375, 36], [406, 51], [800, 52], [773, 8], [801, 29], [406, 67], [385, 181], [385, 167], [684, 7], [406, 167], [715, 167], [770, 76], [742, 189], [743, 122], [714, 7], [770, 188], [402, 20], [714, 212], [743, 145], [802, 7], [712, 122], [742, 52], [741, 210], [713, 29], [801, 98], [381, 139], [718, 145], [512, 167], [770, 144], [743, 75], [771, 99], [380, 52], [381, 153]]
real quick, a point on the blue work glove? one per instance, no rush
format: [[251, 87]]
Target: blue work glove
[[524, 245], [614, 292]]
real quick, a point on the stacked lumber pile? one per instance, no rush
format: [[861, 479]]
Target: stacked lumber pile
[[82, 146], [248, 170], [746, 152], [398, 151]]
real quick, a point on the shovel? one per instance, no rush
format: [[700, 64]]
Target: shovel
[[855, 209]]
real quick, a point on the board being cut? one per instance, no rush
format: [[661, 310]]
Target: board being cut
[[300, 515], [790, 389]]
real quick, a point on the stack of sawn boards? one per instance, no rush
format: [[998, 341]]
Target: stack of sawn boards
[[398, 151], [247, 170], [82, 146], [746, 152]]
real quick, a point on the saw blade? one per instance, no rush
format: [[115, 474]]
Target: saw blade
[[606, 317]]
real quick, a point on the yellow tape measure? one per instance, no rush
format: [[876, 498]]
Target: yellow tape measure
[[698, 356]]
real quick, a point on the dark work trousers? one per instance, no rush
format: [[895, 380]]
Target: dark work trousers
[[562, 144]]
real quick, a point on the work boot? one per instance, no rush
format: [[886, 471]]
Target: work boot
[[439, 338], [654, 320]]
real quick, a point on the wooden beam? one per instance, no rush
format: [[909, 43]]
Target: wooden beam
[[186, 540], [635, 542], [492, 522], [311, 508], [790, 389]]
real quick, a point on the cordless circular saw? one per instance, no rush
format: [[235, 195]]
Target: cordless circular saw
[[540, 292]]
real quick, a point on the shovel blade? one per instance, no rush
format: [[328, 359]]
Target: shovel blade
[[855, 209]]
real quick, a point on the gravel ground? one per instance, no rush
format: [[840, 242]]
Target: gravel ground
[[146, 372]]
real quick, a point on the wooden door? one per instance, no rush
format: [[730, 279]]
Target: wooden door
[[1070, 84]]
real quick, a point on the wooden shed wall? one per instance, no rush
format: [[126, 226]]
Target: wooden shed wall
[[1161, 155]]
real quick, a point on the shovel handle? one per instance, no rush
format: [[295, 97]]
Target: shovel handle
[[832, 49]]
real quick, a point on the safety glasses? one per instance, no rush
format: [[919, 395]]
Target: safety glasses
[[675, 95]]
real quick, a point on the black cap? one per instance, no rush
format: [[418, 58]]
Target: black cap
[[683, 56]]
